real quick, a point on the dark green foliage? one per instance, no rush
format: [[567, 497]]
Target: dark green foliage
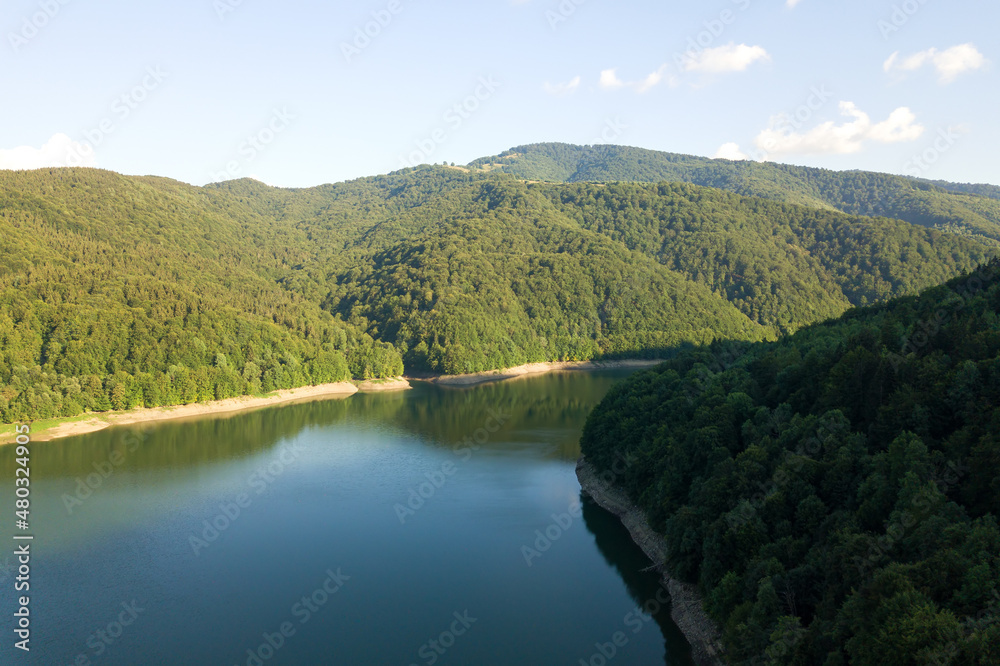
[[835, 493], [467, 272], [972, 210], [123, 292], [120, 291], [781, 265], [983, 190]]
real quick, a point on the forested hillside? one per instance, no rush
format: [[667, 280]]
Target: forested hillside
[[781, 265], [118, 292], [835, 494], [966, 209], [122, 291], [984, 190]]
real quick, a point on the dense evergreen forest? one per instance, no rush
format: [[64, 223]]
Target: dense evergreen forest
[[834, 494], [959, 208], [122, 291]]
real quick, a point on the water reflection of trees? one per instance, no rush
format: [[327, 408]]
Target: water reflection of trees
[[625, 557], [177, 444], [555, 405]]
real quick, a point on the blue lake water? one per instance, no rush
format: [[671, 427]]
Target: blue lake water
[[431, 526]]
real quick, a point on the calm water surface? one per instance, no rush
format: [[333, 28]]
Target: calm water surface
[[366, 528]]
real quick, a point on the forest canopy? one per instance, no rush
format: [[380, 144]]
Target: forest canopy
[[968, 209], [123, 291], [835, 493]]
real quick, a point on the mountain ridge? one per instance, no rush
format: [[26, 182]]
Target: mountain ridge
[[936, 204], [122, 291]]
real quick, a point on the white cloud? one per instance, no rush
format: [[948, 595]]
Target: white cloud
[[948, 63], [654, 79], [781, 138], [901, 125], [729, 58], [58, 151], [609, 80], [791, 3], [562, 88], [730, 151]]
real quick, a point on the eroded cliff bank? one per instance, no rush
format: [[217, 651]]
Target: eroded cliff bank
[[687, 610]]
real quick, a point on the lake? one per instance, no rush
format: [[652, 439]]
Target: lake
[[430, 526]]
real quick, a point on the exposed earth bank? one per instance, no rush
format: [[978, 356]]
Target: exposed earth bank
[[687, 610]]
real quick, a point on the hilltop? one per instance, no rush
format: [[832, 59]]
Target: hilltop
[[123, 291]]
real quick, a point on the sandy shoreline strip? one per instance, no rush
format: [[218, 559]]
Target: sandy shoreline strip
[[536, 369], [382, 385], [100, 421]]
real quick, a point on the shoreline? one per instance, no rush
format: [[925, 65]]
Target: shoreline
[[527, 369], [382, 385], [687, 610], [97, 421]]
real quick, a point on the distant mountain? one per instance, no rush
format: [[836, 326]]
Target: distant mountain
[[983, 190], [122, 291], [964, 209]]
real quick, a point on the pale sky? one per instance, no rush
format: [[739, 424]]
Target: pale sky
[[299, 93]]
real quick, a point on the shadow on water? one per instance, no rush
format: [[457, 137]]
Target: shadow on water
[[644, 586]]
